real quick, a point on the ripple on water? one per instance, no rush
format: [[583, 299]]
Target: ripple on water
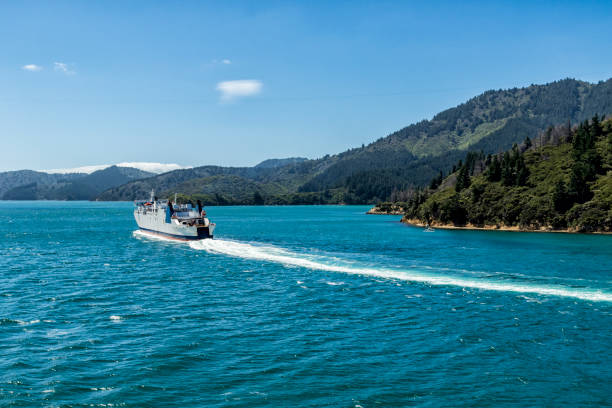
[[297, 307]]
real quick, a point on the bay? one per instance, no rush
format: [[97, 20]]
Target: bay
[[297, 306]]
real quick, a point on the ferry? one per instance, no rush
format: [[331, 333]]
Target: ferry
[[183, 222]]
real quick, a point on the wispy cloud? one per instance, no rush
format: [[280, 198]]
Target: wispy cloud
[[63, 68], [232, 90], [32, 67], [224, 61]]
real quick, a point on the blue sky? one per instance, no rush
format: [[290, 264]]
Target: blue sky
[[234, 83]]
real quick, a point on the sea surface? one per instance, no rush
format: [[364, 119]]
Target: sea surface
[[313, 306]]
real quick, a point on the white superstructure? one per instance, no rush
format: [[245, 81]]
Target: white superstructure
[[178, 221]]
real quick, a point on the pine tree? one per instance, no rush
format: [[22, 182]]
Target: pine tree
[[596, 128], [522, 173], [257, 198], [578, 188], [560, 197], [507, 176], [463, 178], [494, 170]]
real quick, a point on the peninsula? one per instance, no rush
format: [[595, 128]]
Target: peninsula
[[561, 181]]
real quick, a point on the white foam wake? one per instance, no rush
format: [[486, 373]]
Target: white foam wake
[[285, 257], [149, 235]]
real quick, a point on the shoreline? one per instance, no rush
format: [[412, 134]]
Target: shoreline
[[393, 209], [417, 223], [372, 211]]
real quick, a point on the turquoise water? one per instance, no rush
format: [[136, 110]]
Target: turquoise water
[[297, 306]]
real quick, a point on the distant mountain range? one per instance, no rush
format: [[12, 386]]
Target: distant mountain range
[[79, 183], [156, 168], [491, 122], [33, 185]]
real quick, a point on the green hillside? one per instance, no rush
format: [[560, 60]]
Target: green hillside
[[233, 183], [562, 180], [491, 122], [409, 158]]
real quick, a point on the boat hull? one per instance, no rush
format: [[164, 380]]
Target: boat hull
[[155, 222], [175, 236]]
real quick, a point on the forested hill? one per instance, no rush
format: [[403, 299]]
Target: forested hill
[[274, 163], [491, 122], [566, 184], [411, 157]]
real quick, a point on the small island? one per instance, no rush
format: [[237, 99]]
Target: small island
[[559, 182]]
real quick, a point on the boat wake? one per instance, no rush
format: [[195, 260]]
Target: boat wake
[[278, 255], [151, 235]]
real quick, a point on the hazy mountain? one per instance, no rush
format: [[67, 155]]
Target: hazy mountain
[[12, 179], [157, 168], [29, 185]]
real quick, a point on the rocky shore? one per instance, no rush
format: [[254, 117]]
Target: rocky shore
[[515, 228], [393, 209]]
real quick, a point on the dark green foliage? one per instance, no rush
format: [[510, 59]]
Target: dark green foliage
[[561, 197], [494, 171], [562, 185], [511, 170], [591, 217], [463, 178], [522, 173], [257, 198], [435, 182], [587, 160], [579, 190], [452, 211]]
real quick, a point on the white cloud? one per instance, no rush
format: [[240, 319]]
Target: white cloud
[[63, 68], [32, 67], [231, 90], [226, 61], [157, 168]]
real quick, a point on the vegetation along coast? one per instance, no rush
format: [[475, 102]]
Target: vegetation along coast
[[559, 182]]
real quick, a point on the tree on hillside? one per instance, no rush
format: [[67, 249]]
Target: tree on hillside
[[560, 197], [521, 172], [257, 198], [494, 170], [463, 178], [436, 181]]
